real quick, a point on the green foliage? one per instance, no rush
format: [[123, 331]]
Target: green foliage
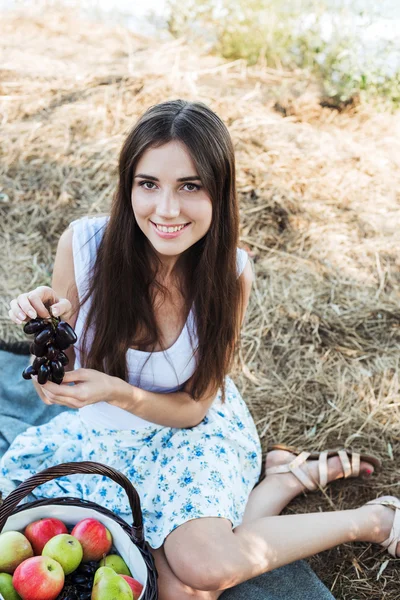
[[289, 35]]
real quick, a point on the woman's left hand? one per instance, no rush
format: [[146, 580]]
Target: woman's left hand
[[91, 386]]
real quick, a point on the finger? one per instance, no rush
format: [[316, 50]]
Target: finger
[[70, 402], [48, 394], [20, 307], [76, 375], [61, 307], [14, 318], [54, 398], [40, 297], [60, 391]]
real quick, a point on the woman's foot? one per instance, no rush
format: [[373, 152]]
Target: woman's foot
[[379, 522], [335, 469]]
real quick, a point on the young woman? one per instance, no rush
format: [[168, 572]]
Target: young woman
[[157, 292]]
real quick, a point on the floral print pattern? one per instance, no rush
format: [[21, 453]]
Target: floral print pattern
[[179, 473]]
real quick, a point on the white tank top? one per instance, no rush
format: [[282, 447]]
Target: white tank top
[[164, 372]]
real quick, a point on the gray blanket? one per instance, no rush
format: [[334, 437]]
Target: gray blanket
[[21, 407]]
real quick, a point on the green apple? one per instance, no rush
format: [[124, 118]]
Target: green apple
[[6, 587], [14, 549], [66, 550], [108, 585], [117, 563]]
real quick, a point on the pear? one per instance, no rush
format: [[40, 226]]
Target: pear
[[7, 590], [108, 585], [116, 563]]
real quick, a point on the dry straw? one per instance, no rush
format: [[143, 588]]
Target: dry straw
[[319, 203]]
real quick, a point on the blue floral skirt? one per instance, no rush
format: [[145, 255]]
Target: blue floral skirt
[[180, 474]]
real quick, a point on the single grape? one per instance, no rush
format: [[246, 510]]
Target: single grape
[[63, 358], [52, 352], [28, 372], [65, 335], [43, 374], [38, 362], [46, 335], [56, 379], [56, 368], [34, 326], [37, 350]]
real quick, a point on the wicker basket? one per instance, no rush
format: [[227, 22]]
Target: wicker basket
[[129, 540]]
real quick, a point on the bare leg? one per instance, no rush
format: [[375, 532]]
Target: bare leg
[[207, 555], [268, 498]]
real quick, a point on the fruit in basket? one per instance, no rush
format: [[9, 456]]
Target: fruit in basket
[[82, 579], [39, 578], [7, 590], [66, 550], [95, 538], [14, 549], [69, 593], [135, 586], [41, 531], [116, 562], [108, 584]]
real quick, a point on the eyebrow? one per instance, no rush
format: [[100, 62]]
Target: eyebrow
[[191, 178]]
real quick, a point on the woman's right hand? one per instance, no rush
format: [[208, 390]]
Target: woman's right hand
[[34, 304]]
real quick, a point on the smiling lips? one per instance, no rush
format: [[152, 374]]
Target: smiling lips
[[169, 228], [169, 232]]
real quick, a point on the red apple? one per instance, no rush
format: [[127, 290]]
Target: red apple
[[39, 578], [135, 586], [95, 538], [40, 532]]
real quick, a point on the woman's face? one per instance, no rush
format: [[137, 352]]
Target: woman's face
[[158, 197]]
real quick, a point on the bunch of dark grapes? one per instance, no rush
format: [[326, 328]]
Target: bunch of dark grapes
[[51, 337], [79, 584], [68, 592]]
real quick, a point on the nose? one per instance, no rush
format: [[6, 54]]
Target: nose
[[168, 205]]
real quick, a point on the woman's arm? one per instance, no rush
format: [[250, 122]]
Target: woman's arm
[[176, 409], [63, 283]]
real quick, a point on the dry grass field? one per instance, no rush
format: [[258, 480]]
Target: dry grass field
[[319, 201]]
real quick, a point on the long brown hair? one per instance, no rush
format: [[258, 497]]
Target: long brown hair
[[126, 266]]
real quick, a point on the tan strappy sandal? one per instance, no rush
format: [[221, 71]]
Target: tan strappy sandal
[[350, 469], [394, 537]]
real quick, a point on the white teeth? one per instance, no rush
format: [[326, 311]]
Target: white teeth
[[169, 229]]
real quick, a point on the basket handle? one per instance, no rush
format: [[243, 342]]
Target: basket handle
[[72, 468]]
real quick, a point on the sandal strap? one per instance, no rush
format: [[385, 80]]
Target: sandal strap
[[394, 537], [294, 467], [350, 469], [323, 468], [302, 476]]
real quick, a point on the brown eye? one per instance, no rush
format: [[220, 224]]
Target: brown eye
[[143, 182]]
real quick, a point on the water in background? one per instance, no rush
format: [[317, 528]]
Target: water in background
[[374, 24], [143, 17]]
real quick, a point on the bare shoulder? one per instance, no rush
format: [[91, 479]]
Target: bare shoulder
[[247, 275], [246, 279]]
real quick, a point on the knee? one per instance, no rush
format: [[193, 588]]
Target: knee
[[199, 573], [176, 591], [201, 561]]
